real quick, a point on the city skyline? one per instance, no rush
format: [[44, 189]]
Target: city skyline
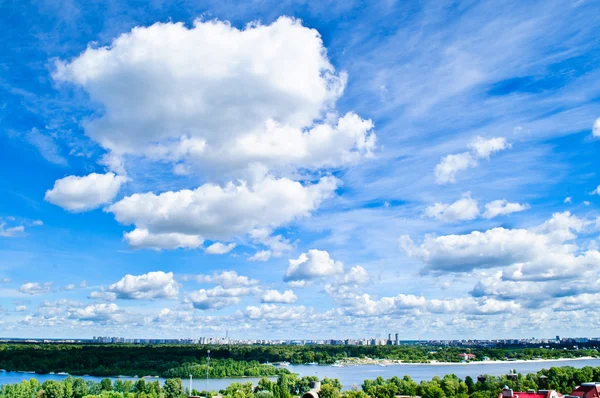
[[300, 169]]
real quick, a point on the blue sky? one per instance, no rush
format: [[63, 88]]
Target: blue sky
[[299, 169]]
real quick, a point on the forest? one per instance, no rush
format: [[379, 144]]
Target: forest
[[234, 360], [563, 379]]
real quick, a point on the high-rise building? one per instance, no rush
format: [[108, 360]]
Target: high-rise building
[[397, 342]]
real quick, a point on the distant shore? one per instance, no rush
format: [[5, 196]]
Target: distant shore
[[389, 362]]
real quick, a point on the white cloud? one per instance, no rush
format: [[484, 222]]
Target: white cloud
[[277, 244], [220, 248], [70, 286], [541, 253], [79, 194], [227, 279], [99, 313], [596, 128], [150, 286], [35, 288], [82, 284], [312, 265], [450, 165], [275, 296], [365, 306], [10, 232], [196, 114], [37, 223], [502, 207], [203, 300], [262, 255], [298, 283], [481, 148], [568, 199], [46, 146], [596, 191], [20, 308], [356, 276], [143, 239], [215, 212], [5, 280], [272, 312], [465, 208], [103, 295]]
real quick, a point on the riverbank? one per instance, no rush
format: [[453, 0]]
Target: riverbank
[[391, 362]]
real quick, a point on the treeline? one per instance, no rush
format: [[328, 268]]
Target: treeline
[[129, 360], [228, 361], [563, 379]]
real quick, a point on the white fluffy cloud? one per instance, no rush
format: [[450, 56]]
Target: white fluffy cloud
[[481, 148], [311, 265], [275, 296], [366, 306], [596, 191], [159, 103], [596, 128], [356, 276], [150, 286], [502, 207], [545, 252], [103, 295], [261, 255], [143, 239], [79, 194], [218, 297], [465, 208], [99, 313], [227, 279], [35, 288], [220, 248], [216, 212]]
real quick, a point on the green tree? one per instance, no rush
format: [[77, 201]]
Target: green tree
[[80, 388], [105, 385], [53, 389], [329, 391], [173, 388]]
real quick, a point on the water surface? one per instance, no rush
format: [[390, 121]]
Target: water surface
[[349, 375]]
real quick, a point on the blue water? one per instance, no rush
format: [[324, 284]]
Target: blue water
[[349, 375]]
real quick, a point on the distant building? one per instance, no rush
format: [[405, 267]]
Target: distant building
[[467, 357]]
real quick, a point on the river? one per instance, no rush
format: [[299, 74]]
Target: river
[[350, 375]]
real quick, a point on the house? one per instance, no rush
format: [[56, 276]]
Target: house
[[586, 390], [467, 357], [508, 393]]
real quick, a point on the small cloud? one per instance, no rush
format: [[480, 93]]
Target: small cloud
[[37, 223], [20, 308], [82, 284], [36, 288], [219, 248], [596, 128], [263, 255], [70, 286], [568, 199]]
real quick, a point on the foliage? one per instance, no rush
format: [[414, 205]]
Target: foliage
[[563, 379]]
